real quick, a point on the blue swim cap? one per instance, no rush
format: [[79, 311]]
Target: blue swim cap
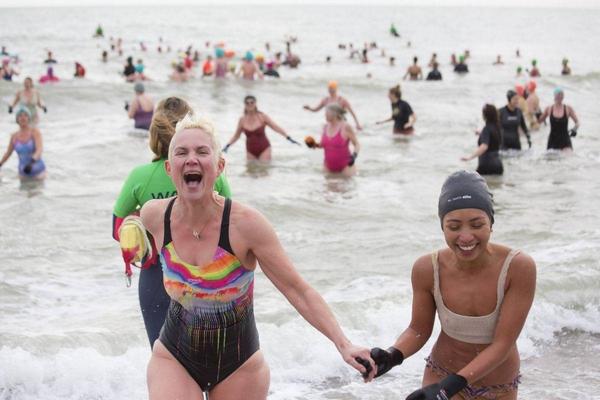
[[249, 56], [558, 90], [22, 110], [219, 52]]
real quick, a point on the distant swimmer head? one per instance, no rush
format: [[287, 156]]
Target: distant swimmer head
[[23, 111], [463, 190], [335, 111], [519, 69], [461, 59], [249, 56], [490, 114], [219, 52], [534, 62], [510, 94], [531, 86], [565, 61], [559, 94], [332, 85], [166, 116], [139, 87], [395, 93], [249, 103], [557, 91], [520, 90]]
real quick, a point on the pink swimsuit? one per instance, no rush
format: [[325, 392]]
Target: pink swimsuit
[[337, 152]]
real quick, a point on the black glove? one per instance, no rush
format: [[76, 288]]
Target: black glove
[[352, 159], [126, 106], [27, 169], [444, 390], [365, 364], [289, 138], [573, 132], [10, 109], [45, 109], [226, 148], [386, 359]]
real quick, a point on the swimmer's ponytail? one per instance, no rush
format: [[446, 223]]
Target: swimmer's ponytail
[[166, 116], [396, 91]]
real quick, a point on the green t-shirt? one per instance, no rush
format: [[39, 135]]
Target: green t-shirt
[[150, 181]]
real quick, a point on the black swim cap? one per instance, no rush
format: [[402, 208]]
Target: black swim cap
[[510, 94], [465, 189]]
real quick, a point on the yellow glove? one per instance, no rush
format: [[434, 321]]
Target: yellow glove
[[134, 243]]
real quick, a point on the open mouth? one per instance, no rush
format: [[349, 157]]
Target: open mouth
[[192, 178], [467, 248]]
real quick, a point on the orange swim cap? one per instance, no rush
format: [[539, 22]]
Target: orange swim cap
[[332, 85], [520, 90]]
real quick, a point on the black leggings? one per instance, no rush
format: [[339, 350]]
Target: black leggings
[[154, 300]]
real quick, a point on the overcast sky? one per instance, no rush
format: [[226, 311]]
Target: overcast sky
[[481, 3]]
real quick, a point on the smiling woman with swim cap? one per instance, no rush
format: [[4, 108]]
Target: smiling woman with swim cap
[[482, 293], [209, 250], [27, 142]]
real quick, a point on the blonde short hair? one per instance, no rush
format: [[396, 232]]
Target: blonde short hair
[[192, 121]]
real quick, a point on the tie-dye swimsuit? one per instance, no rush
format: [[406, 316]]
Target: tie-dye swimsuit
[[210, 326]]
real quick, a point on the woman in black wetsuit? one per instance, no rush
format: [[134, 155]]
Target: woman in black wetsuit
[[560, 136], [488, 144], [402, 113], [511, 118]]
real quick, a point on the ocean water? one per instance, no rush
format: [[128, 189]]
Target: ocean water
[[70, 329]]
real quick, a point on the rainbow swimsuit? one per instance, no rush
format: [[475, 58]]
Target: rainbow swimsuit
[[210, 326]]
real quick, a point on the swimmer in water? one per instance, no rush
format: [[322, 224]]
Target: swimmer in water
[[7, 71], [221, 63], [104, 56], [559, 113], [141, 108], [489, 162], [249, 69], [99, 31], [207, 67], [519, 71], [392, 61], [533, 106], [335, 140], [498, 60], [453, 60], [129, 70], [414, 71], [50, 59], [139, 70], [433, 60], [27, 142], [482, 293], [209, 250], [79, 71], [434, 74], [334, 98], [402, 113], [461, 67], [30, 99], [512, 123], [535, 72], [151, 181], [566, 70], [253, 123]]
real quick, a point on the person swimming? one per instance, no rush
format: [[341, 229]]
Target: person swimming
[[566, 70], [461, 67], [512, 123], [535, 72], [488, 142], [79, 70], [253, 124], [334, 98], [29, 98], [434, 74], [151, 181], [335, 140], [129, 70], [27, 143], [402, 113], [414, 71], [249, 69], [141, 108], [559, 113], [482, 293]]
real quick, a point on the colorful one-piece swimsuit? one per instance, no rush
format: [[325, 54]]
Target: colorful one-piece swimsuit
[[210, 326]]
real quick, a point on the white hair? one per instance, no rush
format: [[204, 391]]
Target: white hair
[[191, 121]]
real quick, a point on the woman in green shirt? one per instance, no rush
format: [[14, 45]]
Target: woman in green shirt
[[147, 182]]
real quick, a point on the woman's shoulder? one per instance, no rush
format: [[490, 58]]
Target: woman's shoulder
[[152, 213]]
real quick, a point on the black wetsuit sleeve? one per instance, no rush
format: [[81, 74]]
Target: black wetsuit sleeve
[[522, 121], [409, 110]]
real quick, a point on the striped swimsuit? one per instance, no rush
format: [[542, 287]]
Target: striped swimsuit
[[210, 326]]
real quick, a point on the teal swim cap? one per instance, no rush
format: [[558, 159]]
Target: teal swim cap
[[219, 52], [249, 56], [558, 91], [22, 110], [534, 62]]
